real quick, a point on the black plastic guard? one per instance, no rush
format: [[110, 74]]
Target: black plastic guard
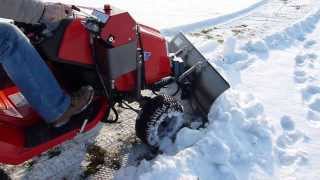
[[49, 48], [207, 84]]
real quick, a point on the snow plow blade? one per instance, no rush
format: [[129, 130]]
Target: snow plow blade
[[206, 84]]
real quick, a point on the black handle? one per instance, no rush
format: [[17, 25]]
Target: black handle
[[75, 8]]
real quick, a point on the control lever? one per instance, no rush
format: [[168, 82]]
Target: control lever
[[73, 7]]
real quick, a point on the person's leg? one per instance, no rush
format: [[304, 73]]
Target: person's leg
[[29, 72]]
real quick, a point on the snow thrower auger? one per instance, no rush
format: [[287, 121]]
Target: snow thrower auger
[[119, 57]]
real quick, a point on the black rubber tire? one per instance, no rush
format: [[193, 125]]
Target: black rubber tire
[[152, 112], [4, 175]]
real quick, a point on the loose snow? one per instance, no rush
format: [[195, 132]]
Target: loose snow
[[236, 144]]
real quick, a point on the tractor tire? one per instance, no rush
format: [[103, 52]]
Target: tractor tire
[[160, 117], [4, 175]]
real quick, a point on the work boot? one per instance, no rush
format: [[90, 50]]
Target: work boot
[[80, 100]]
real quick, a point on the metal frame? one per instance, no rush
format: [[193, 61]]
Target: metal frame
[[201, 81]]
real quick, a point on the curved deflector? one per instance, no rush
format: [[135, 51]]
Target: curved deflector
[[206, 82]]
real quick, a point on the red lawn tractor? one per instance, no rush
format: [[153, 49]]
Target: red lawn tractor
[[119, 57]]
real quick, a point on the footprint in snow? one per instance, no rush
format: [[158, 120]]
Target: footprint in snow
[[300, 76], [315, 104], [310, 91], [287, 123], [302, 60], [309, 44], [305, 60], [292, 157], [306, 73], [313, 114], [288, 144], [314, 118], [303, 63]]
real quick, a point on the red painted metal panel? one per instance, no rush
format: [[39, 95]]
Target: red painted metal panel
[[120, 26], [11, 135], [126, 82], [75, 46], [158, 66]]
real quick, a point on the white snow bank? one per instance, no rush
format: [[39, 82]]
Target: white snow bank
[[285, 78], [236, 144], [178, 13], [297, 31], [285, 38], [222, 17], [239, 55]]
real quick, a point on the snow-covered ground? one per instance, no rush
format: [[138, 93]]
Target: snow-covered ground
[[167, 13], [265, 127]]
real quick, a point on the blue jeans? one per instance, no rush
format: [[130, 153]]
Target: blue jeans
[[31, 75]]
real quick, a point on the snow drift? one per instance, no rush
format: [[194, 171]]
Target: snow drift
[[236, 143]]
